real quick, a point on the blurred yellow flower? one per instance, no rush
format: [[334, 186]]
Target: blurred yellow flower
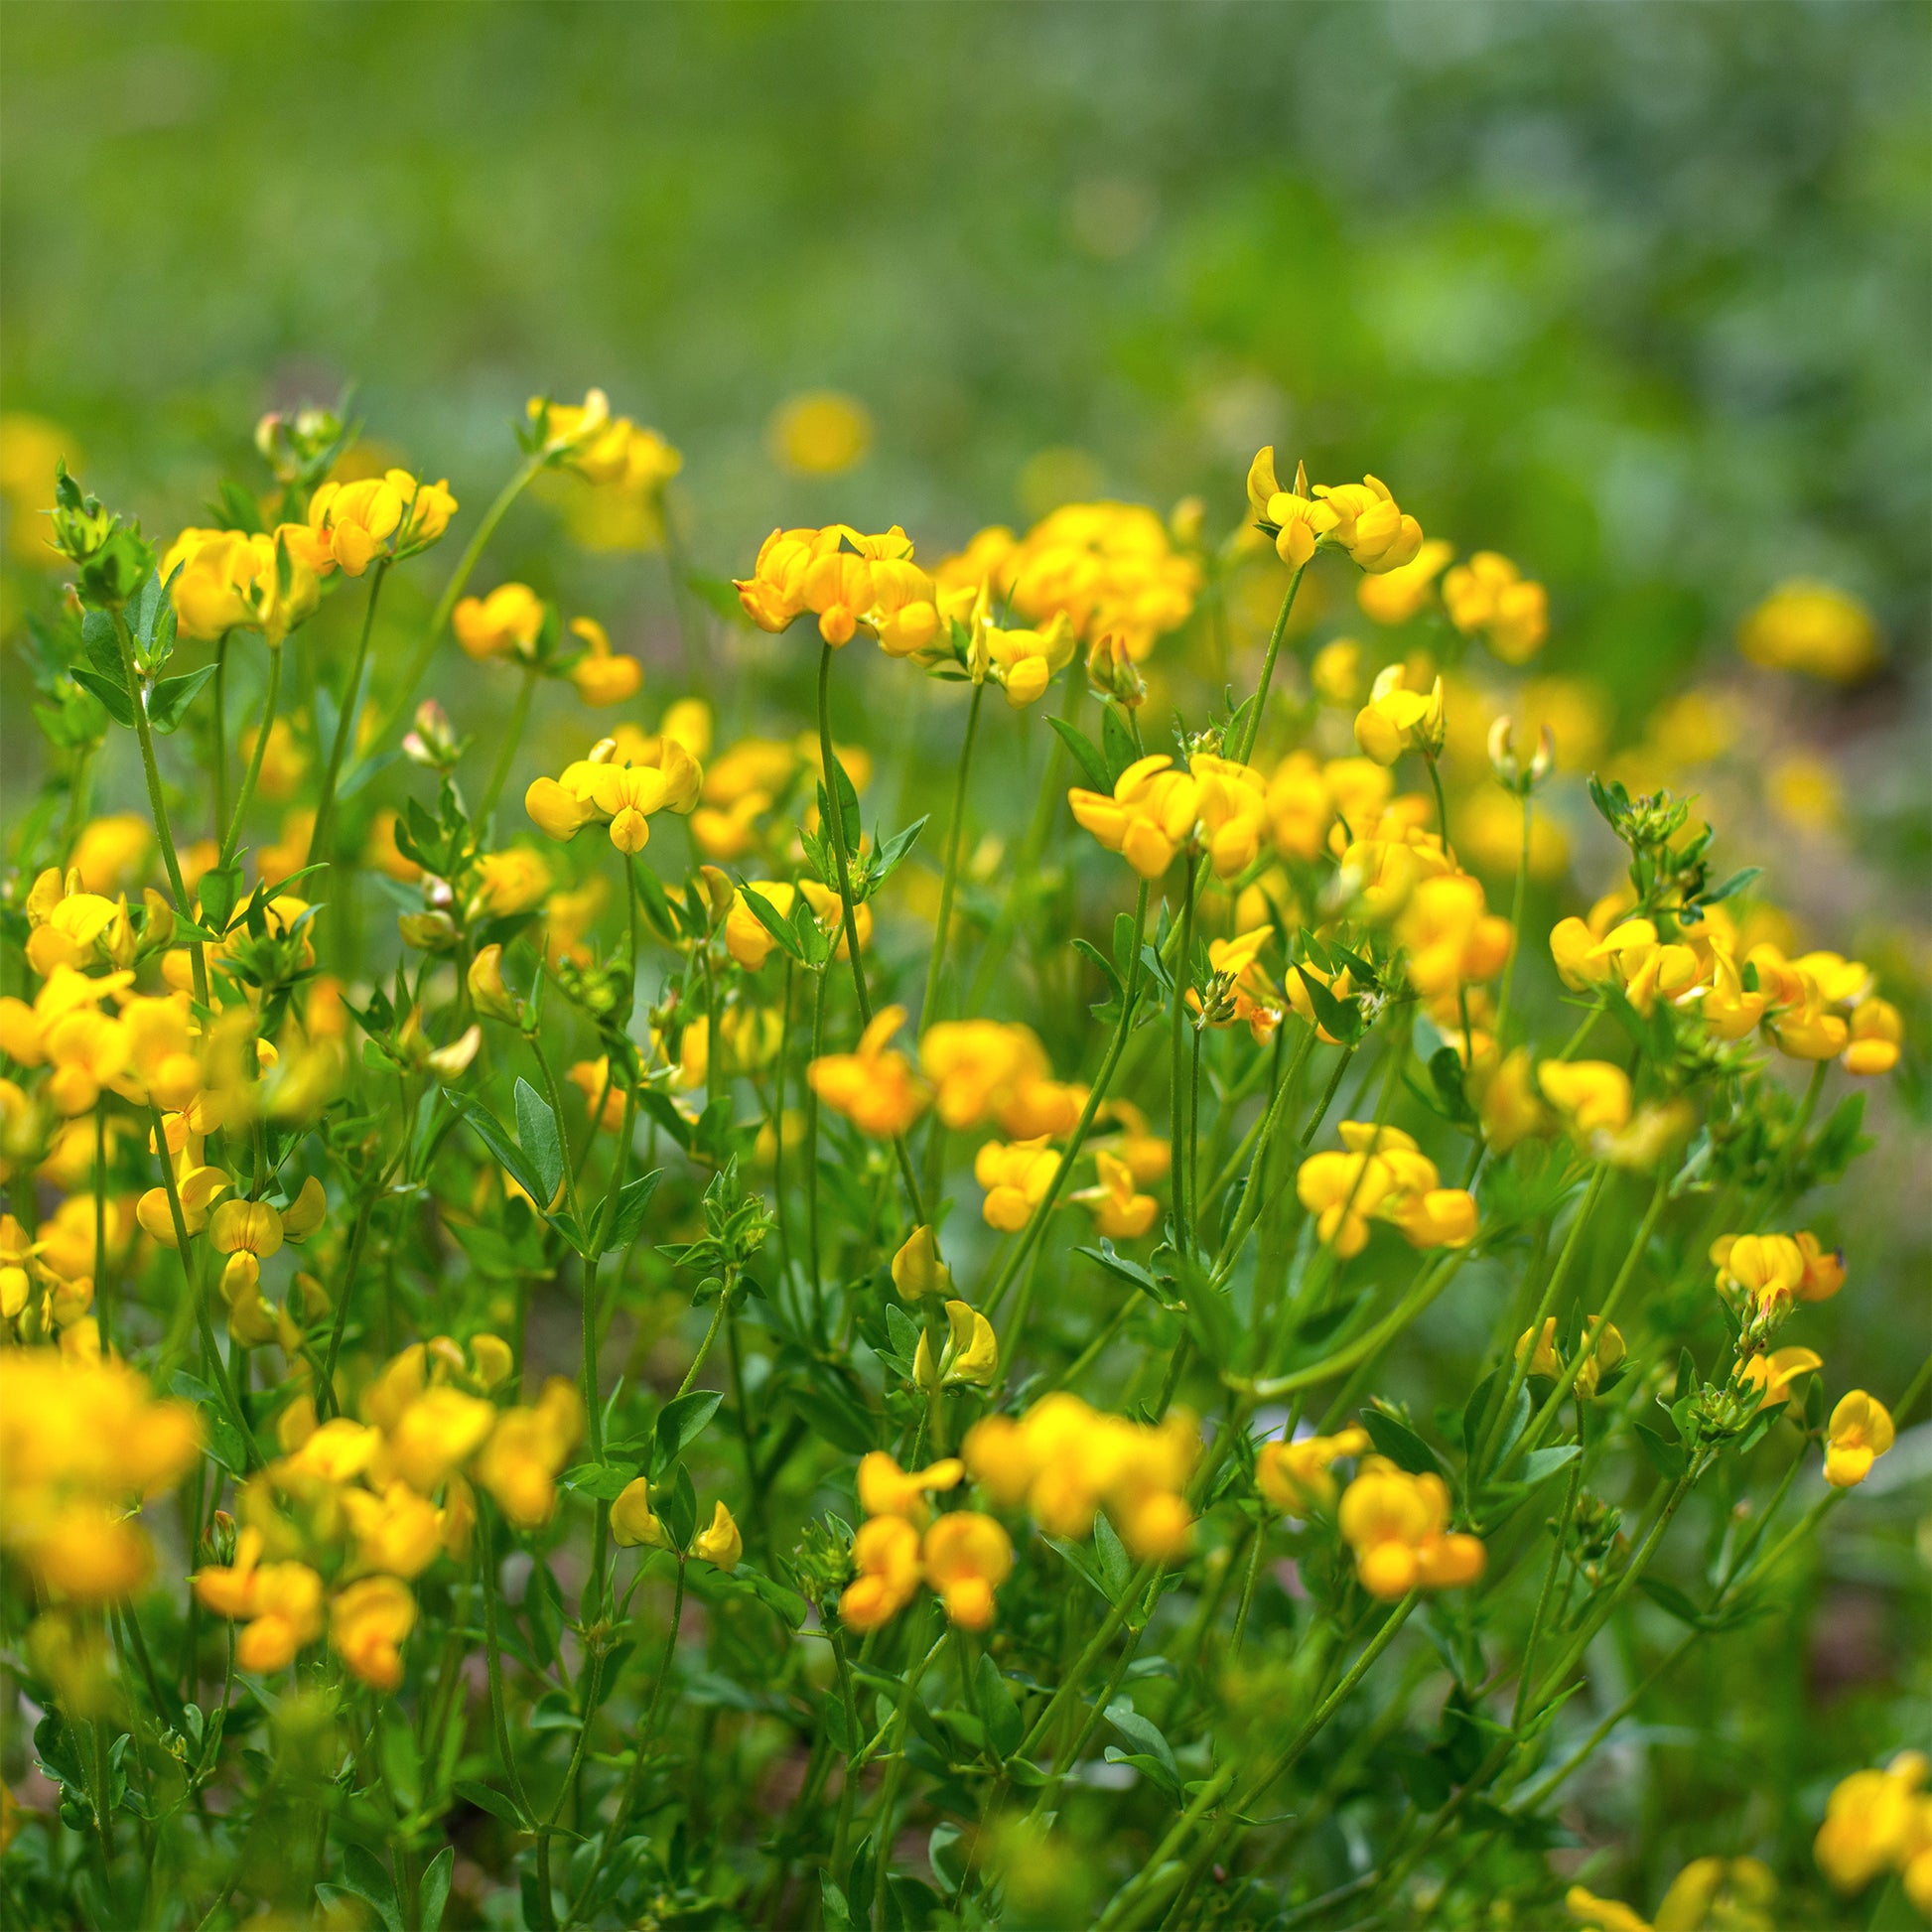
[[1808, 626], [822, 433]]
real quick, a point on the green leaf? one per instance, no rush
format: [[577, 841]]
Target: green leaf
[[833, 1908], [848, 807], [219, 888], [489, 1130], [1119, 744], [536, 1130], [433, 1891], [111, 692], [679, 1423], [1668, 1597], [998, 1708], [169, 700], [1128, 1271], [497, 1802], [762, 911], [1543, 1462], [1116, 1570], [1668, 1456], [1085, 753], [1143, 1735], [1400, 1444], [1734, 884], [1148, 1765], [892, 853], [633, 1204], [603, 1482], [365, 1878]]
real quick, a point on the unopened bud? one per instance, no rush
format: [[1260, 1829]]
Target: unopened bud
[[1510, 772], [1112, 672], [917, 1269], [433, 742], [488, 993]]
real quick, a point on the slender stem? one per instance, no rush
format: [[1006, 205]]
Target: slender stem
[[718, 1311], [1515, 921], [459, 578], [1180, 1126], [1275, 636], [251, 777], [358, 1234], [103, 1276], [344, 721], [1540, 1427], [955, 837], [1096, 1094], [811, 1158], [835, 810], [137, 696], [881, 1836], [218, 760], [1262, 1136], [512, 738]]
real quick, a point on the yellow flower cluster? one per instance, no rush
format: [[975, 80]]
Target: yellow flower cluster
[[1396, 1524], [1602, 1353], [1097, 569], [619, 786], [1808, 626], [1877, 1822], [1363, 519], [850, 581], [83, 1444], [358, 1502], [1383, 1178], [1819, 1006], [962, 1557], [1064, 1463], [1216, 807], [1297, 1477], [230, 579], [1489, 594]]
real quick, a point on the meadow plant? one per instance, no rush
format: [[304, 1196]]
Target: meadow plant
[[690, 1344]]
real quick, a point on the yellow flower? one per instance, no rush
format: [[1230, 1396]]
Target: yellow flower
[[1490, 594], [1150, 817], [971, 1353], [1118, 1212], [1453, 939], [916, 1268], [525, 1452], [1606, 1914], [885, 1490], [979, 1068], [1874, 1821], [886, 1554], [849, 581], [1861, 1431], [246, 1227], [280, 1603], [967, 1558], [1383, 1177], [1808, 626], [397, 1531], [873, 1086], [1776, 1372], [1602, 1352], [1064, 1461], [748, 941], [1369, 524], [230, 579], [1400, 593], [112, 852], [506, 622], [1592, 1095], [1875, 1035], [1336, 672], [1014, 1179], [605, 449], [720, 1544], [633, 1521], [393, 515], [367, 1623], [822, 433], [431, 1432], [1397, 717], [603, 676], [1398, 1526], [1110, 570], [1764, 1271], [621, 792], [1297, 1477]]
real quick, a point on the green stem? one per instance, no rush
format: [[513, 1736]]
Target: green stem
[[1038, 1220], [137, 697], [251, 777], [454, 588], [1275, 636], [1261, 1138], [1515, 921], [359, 1233], [507, 752], [345, 722], [955, 836], [1180, 1127]]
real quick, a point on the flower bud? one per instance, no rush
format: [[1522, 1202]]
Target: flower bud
[[433, 742], [1510, 773], [491, 996], [917, 1269], [1112, 672]]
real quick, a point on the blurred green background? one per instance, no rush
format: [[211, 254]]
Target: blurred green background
[[1641, 295]]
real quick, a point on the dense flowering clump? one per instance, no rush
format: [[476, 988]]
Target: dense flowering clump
[[683, 1364]]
